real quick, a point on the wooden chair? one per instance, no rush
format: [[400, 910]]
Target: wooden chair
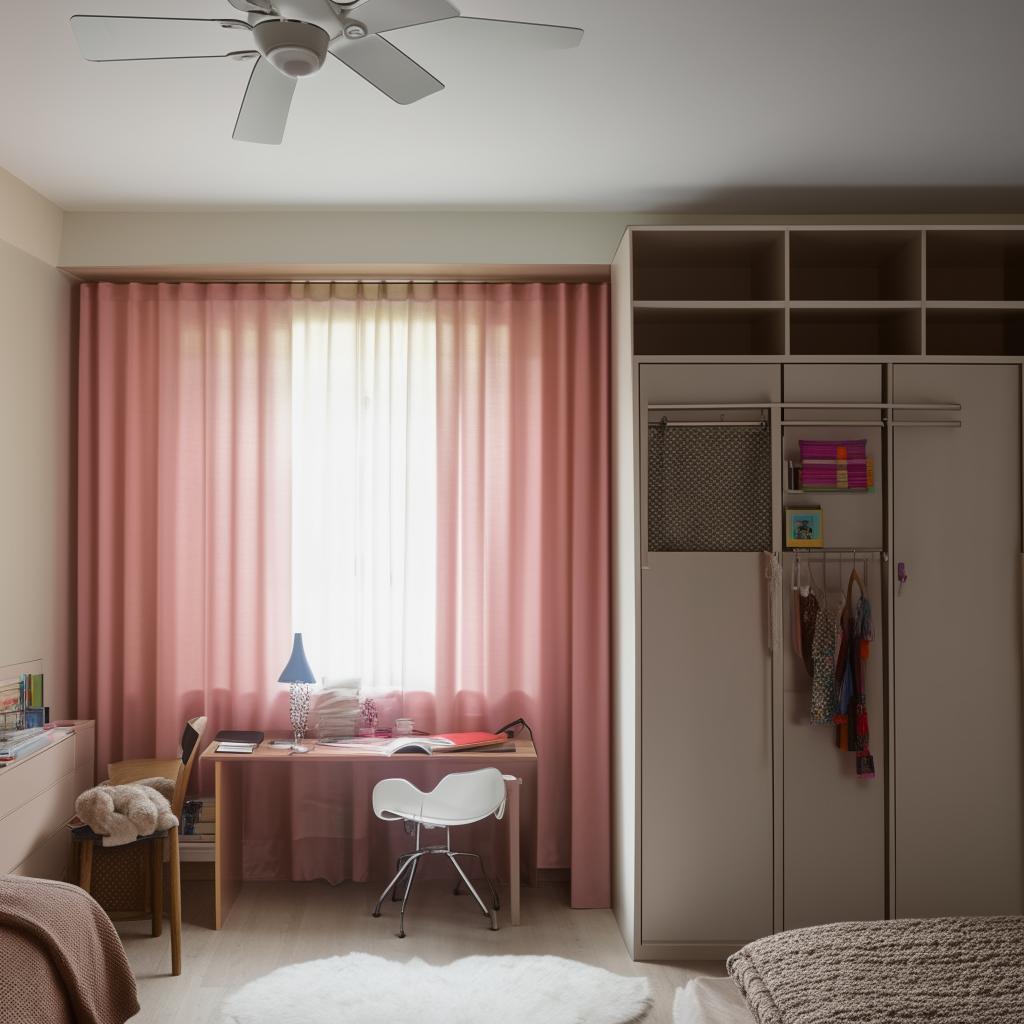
[[86, 842]]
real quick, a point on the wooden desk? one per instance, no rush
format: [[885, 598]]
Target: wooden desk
[[229, 779]]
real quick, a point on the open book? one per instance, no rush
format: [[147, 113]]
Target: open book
[[442, 743]]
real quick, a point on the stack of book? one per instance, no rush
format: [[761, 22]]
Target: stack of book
[[336, 710], [198, 824], [833, 466], [17, 743]]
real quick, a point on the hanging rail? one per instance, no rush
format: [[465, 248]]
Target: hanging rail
[[666, 422], [834, 423], [825, 552], [908, 406]]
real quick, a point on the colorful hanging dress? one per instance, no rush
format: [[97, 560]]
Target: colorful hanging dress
[[851, 714]]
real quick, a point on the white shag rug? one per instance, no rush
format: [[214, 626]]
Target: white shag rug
[[710, 1001], [363, 989]]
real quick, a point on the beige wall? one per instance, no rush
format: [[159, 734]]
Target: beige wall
[[35, 449], [338, 238], [354, 240]]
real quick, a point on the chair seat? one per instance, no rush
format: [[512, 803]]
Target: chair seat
[[84, 834], [458, 799]]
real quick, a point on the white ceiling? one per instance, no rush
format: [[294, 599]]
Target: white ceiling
[[667, 104]]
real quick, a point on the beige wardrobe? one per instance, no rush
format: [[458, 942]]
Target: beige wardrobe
[[734, 815]]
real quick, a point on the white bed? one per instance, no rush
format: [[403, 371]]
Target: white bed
[[710, 1001]]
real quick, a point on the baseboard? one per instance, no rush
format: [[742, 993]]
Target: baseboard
[[658, 951]]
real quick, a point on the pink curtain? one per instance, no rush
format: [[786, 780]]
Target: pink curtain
[[524, 546], [184, 509], [184, 544]]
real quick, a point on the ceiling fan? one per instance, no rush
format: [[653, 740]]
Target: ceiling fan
[[290, 39]]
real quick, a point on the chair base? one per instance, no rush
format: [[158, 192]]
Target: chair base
[[407, 866]]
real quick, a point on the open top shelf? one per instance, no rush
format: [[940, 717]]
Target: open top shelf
[[981, 265], [855, 332], [975, 332], [715, 265], [697, 332], [866, 265]]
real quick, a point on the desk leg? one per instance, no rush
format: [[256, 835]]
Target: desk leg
[[227, 839], [514, 871]]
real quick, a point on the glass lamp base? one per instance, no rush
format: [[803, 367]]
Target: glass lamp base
[[298, 712]]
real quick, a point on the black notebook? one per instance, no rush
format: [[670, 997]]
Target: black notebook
[[239, 736]]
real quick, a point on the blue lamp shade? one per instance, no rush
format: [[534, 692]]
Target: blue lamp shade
[[297, 670]]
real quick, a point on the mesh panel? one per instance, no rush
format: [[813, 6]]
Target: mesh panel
[[120, 878], [709, 488]]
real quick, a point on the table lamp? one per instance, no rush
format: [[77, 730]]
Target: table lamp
[[300, 678]]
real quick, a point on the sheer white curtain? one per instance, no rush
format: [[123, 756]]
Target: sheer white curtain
[[364, 490]]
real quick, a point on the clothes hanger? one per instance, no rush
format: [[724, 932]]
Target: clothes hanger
[[855, 577]]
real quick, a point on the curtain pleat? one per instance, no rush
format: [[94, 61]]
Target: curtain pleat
[[183, 510], [524, 546]]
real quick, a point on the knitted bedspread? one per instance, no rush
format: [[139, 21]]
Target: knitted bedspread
[[60, 958], [947, 970]]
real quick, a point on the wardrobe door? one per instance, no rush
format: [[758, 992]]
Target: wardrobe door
[[834, 820], [706, 671], [957, 630]]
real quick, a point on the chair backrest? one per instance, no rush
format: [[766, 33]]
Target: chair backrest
[[394, 799], [465, 797], [191, 745]]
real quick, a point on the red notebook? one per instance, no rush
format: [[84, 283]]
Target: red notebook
[[467, 740]]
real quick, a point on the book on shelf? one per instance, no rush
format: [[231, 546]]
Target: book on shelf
[[831, 475], [441, 743], [198, 819], [201, 808]]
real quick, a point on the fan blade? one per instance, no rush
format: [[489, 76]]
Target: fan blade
[[530, 34], [264, 112], [114, 38], [253, 6], [387, 15], [387, 68]]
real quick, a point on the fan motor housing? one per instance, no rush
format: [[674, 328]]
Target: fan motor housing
[[295, 48]]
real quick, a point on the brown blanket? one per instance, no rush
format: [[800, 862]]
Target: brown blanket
[[947, 970], [61, 958]]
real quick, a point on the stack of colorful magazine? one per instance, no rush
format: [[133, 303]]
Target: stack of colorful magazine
[[834, 466]]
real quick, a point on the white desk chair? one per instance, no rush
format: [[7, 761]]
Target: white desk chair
[[458, 799]]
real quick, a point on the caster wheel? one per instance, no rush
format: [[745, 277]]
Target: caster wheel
[[401, 935], [375, 915]]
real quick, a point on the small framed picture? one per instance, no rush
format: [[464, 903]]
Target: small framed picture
[[804, 528]]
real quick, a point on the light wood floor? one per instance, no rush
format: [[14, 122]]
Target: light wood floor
[[274, 924]]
